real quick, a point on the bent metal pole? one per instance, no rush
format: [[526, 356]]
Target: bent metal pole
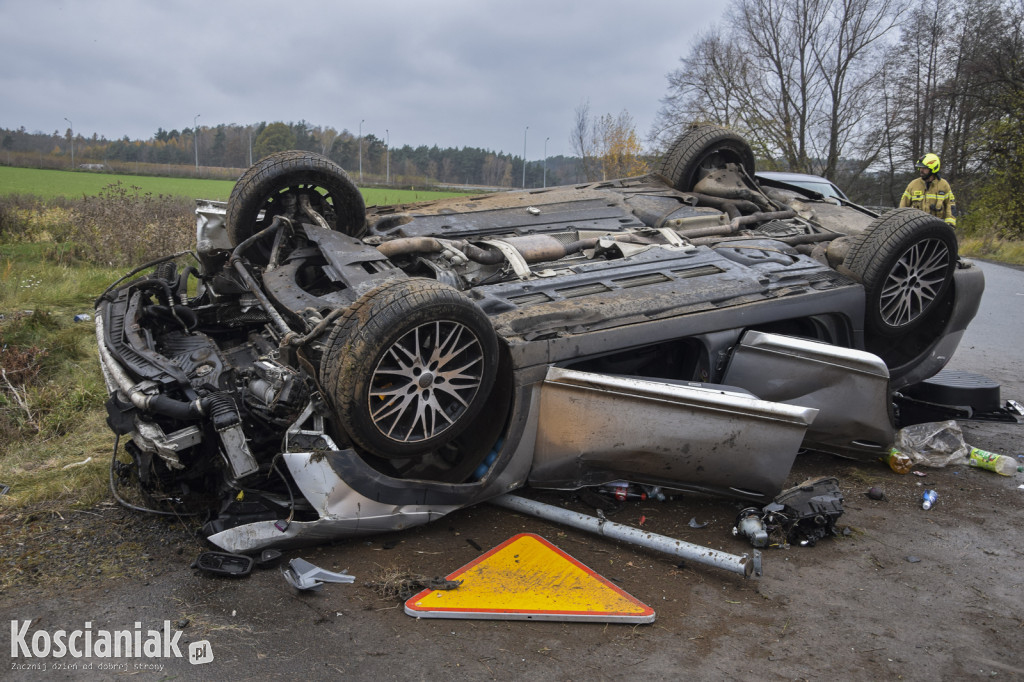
[[744, 565]]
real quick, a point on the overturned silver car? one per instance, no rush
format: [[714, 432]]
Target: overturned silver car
[[322, 370]]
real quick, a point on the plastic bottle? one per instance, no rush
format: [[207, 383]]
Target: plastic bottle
[[928, 499], [898, 461], [622, 491], [1001, 464]]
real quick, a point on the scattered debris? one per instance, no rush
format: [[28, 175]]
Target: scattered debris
[[303, 575], [928, 499], [696, 524], [898, 461], [400, 585], [77, 464], [1001, 464], [268, 558], [82, 317], [932, 444], [744, 565], [913, 559], [750, 525], [875, 493], [800, 515], [224, 563], [623, 490]]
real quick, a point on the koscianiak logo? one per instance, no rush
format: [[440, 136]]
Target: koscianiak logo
[[130, 649]]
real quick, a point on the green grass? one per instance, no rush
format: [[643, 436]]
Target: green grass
[[52, 391], [50, 184]]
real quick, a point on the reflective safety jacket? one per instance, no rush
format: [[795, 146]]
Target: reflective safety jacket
[[934, 196]]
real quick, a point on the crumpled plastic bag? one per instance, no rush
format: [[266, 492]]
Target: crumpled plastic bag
[[933, 444]]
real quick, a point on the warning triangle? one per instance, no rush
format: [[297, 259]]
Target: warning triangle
[[528, 578]]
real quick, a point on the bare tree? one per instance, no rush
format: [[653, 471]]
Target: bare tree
[[582, 139], [708, 87], [794, 75]]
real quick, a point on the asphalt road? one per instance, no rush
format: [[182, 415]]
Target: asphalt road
[[994, 342]]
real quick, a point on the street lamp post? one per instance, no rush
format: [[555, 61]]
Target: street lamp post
[[546, 161], [361, 150], [72, 125], [524, 157], [195, 139], [387, 156]]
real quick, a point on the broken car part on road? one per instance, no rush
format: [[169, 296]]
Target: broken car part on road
[[744, 565], [324, 370]]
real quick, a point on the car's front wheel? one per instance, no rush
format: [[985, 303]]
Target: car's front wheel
[[410, 367]]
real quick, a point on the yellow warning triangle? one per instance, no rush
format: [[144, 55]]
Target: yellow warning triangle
[[528, 578]]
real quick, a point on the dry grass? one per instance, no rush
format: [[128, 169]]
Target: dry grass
[[395, 584], [993, 248]]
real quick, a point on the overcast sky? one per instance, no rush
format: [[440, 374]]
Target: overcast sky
[[450, 72]]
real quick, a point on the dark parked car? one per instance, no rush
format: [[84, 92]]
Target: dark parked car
[[803, 181], [323, 369]]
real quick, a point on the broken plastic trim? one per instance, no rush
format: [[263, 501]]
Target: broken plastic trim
[[224, 563], [303, 575]]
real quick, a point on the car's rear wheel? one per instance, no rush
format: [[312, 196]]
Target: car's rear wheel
[[273, 185], [410, 367], [905, 260], [702, 149]]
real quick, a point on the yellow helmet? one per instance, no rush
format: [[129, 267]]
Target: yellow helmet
[[929, 161]]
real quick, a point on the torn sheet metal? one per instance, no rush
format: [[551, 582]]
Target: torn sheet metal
[[342, 511], [848, 387], [597, 427]]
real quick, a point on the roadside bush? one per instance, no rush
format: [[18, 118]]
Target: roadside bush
[[121, 227], [118, 227], [26, 218]]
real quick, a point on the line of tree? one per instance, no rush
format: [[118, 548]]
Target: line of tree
[[235, 147], [856, 90]]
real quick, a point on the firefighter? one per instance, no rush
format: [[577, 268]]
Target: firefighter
[[930, 193]]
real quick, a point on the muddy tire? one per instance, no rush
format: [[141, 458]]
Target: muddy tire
[[409, 367], [701, 149], [905, 260], [263, 189]]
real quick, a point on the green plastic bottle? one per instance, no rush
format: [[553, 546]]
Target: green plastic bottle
[[1001, 464]]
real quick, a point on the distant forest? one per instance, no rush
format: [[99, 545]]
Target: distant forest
[[224, 150]]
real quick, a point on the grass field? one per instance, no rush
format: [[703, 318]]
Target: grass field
[[50, 184]]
